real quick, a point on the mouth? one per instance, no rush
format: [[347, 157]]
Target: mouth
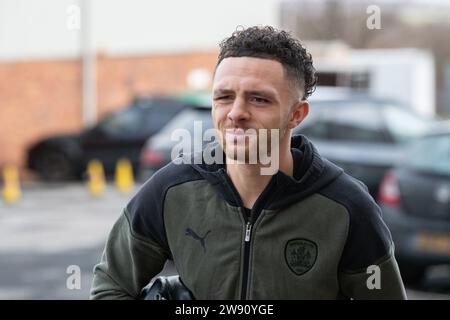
[[235, 131], [235, 135]]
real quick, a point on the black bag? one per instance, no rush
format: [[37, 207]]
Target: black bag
[[166, 288]]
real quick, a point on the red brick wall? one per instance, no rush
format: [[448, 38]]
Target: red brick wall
[[119, 79], [38, 98]]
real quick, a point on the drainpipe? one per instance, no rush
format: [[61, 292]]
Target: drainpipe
[[89, 72]]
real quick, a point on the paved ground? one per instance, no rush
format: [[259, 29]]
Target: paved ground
[[56, 226]]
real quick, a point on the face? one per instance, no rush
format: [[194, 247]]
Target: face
[[250, 94]]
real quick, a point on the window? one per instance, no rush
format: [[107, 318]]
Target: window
[[143, 118], [185, 120], [345, 121], [317, 129], [154, 118], [356, 122], [125, 122], [431, 154], [403, 124]]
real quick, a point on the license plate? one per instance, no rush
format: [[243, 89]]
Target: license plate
[[434, 242]]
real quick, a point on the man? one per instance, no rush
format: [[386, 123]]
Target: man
[[305, 231]]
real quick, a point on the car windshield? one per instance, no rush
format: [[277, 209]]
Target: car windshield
[[126, 121], [186, 118], [430, 154], [404, 124]]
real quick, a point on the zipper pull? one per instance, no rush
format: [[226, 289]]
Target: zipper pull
[[248, 230]]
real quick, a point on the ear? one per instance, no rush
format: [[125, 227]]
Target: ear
[[299, 112]]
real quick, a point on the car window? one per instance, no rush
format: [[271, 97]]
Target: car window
[[313, 129], [431, 154], [356, 122], [186, 119], [140, 119], [125, 122], [403, 124], [345, 121], [157, 117]]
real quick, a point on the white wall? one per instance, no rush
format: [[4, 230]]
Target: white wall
[[406, 75], [38, 29], [31, 29]]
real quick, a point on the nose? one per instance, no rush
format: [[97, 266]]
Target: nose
[[238, 111]]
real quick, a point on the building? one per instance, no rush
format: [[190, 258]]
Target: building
[[406, 75], [65, 63]]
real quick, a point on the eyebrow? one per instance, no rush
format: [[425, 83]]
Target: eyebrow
[[222, 91], [265, 93]]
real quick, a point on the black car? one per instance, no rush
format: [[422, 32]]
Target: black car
[[120, 134], [157, 152], [363, 135], [415, 200]]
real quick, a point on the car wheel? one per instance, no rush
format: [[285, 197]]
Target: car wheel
[[54, 165]]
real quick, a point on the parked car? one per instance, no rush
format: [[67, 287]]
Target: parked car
[[157, 151], [415, 200], [120, 134], [363, 135]]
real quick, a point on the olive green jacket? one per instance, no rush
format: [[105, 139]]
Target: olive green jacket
[[316, 235]]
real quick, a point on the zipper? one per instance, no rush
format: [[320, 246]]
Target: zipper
[[248, 230], [247, 235], [249, 223], [245, 271]]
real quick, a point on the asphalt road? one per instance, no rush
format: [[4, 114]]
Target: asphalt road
[[57, 226]]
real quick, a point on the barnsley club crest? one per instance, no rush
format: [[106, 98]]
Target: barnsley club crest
[[300, 254]]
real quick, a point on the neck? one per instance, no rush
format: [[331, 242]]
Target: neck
[[249, 181]]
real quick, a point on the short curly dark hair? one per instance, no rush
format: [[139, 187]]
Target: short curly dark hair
[[269, 43]]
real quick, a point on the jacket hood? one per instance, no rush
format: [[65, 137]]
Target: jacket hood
[[311, 173]]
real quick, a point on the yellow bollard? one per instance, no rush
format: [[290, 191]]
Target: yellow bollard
[[11, 184], [124, 175], [96, 176]]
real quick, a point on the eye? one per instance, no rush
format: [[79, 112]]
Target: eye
[[223, 98], [260, 100]]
